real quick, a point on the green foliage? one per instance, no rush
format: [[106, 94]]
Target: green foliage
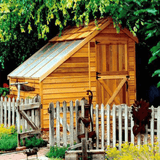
[[4, 91], [56, 152], [8, 142], [8, 139], [133, 152], [34, 142]]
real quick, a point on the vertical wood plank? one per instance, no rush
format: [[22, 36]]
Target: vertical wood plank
[[84, 149], [5, 112], [71, 124], [41, 110], [126, 57], [108, 125], [13, 111], [18, 123], [139, 140], [23, 121], [92, 123], [89, 64], [146, 135], [97, 127], [51, 125], [126, 123], [132, 135], [152, 125], [114, 57], [77, 123], [120, 125], [9, 112], [114, 125], [120, 57], [102, 126], [26, 101], [58, 124], [82, 114]]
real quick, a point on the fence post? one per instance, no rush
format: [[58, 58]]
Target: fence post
[[126, 123], [58, 124], [132, 135], [108, 125], [71, 124], [114, 125], [77, 117], [5, 112], [51, 124], [18, 123], [13, 111], [65, 123], [152, 125], [158, 126], [9, 112], [120, 125], [97, 126], [102, 126]]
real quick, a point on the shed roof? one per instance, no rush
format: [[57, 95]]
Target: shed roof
[[59, 49]]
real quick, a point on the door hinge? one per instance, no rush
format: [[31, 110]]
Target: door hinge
[[96, 42], [97, 73]]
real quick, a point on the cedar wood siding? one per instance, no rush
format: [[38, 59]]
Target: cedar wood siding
[[23, 94], [68, 82]]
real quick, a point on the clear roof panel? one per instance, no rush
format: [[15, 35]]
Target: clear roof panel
[[45, 59], [62, 53], [31, 60]]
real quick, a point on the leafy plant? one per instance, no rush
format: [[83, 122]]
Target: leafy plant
[[8, 142], [34, 142], [129, 151], [8, 139], [4, 91], [8, 131], [56, 152]]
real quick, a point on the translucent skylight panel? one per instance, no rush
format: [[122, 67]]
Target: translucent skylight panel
[[59, 57], [48, 57], [30, 60], [36, 64]]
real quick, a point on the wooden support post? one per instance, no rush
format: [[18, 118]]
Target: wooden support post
[[84, 149], [51, 124]]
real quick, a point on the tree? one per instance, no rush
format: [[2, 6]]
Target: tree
[[142, 17]]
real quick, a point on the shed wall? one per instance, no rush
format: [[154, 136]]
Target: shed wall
[[31, 82], [68, 82]]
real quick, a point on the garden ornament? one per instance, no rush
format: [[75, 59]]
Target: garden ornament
[[141, 115]]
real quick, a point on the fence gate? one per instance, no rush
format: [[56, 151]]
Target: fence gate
[[28, 118]]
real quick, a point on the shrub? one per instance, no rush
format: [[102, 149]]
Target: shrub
[[129, 151], [8, 142], [35, 142], [8, 139], [56, 152]]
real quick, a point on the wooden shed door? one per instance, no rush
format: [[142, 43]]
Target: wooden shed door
[[112, 73]]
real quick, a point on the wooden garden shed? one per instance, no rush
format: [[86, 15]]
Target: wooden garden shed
[[82, 58]]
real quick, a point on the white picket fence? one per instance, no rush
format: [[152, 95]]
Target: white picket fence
[[112, 125], [7, 111]]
